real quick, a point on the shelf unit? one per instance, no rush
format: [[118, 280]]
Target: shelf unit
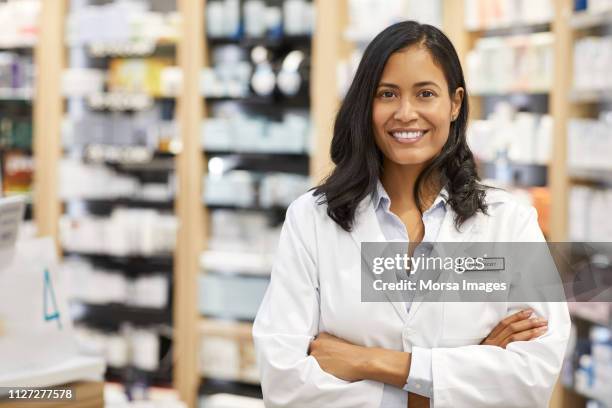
[[523, 175], [272, 108], [578, 104], [17, 103], [329, 46], [49, 103]]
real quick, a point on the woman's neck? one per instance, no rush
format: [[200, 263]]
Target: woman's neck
[[399, 181]]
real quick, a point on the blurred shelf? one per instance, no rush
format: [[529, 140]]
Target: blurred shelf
[[211, 386], [521, 174], [590, 395], [591, 96], [226, 328], [135, 260], [156, 165], [281, 155], [131, 375], [275, 100], [27, 151], [21, 46], [129, 48], [104, 207], [289, 41], [133, 265], [126, 155], [113, 314], [15, 94], [237, 263], [512, 29], [594, 175], [124, 101], [585, 20], [593, 312], [266, 162], [276, 210], [515, 91], [222, 317]]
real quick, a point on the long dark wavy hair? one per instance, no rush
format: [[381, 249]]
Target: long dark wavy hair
[[358, 160]]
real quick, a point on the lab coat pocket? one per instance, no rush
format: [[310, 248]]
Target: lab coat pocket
[[469, 322]]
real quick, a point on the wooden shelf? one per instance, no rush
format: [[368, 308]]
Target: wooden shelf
[[514, 29], [600, 176], [142, 48], [226, 328], [506, 92], [22, 46], [129, 375], [15, 94], [134, 265], [276, 100], [104, 207], [112, 315], [291, 41], [587, 20], [523, 174], [211, 386], [267, 162], [237, 263], [591, 96], [584, 311]]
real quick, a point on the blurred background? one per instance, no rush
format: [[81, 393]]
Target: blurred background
[[159, 142]]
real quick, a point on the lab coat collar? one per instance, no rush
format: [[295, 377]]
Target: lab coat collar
[[367, 229], [380, 197]]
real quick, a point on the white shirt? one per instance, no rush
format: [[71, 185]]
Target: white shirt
[[419, 380]]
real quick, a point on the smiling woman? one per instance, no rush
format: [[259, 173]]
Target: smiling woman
[[404, 172], [407, 105]]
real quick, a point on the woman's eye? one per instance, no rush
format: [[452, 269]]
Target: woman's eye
[[427, 94], [386, 94]]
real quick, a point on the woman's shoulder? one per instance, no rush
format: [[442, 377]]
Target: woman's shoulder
[[308, 205], [500, 201]]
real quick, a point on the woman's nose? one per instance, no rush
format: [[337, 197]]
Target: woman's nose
[[405, 112]]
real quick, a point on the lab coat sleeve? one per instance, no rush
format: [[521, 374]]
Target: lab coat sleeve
[[288, 320], [523, 374], [419, 379]]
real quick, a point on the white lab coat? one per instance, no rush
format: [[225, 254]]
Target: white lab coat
[[315, 287]]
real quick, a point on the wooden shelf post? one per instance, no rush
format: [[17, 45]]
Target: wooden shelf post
[[328, 49], [188, 208], [48, 107]]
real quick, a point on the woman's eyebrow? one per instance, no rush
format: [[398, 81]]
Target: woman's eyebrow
[[416, 85], [425, 83], [388, 85]]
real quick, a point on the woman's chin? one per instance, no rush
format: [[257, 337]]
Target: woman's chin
[[410, 160]]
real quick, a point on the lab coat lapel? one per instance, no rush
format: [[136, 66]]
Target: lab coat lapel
[[367, 229], [448, 233]]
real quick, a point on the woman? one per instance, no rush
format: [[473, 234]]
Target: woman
[[403, 172]]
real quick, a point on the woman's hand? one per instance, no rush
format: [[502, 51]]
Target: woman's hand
[[517, 327], [337, 357]]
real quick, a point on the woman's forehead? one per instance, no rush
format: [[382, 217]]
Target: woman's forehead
[[412, 65]]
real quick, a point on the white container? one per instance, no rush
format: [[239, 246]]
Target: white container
[[255, 18]]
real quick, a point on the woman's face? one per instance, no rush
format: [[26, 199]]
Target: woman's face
[[412, 109]]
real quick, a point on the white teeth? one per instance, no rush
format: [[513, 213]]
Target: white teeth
[[408, 135]]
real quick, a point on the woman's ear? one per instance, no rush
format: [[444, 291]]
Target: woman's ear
[[456, 101]]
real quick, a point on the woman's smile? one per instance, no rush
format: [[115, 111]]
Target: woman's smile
[[407, 136]]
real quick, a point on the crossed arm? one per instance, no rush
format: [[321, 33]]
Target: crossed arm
[[351, 362]]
